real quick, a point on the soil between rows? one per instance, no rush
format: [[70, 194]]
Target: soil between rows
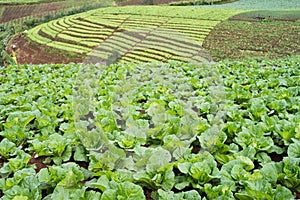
[[33, 53]]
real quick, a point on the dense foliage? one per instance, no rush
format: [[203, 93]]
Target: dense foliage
[[160, 128]]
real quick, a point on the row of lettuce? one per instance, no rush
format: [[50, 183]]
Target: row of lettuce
[[229, 130]]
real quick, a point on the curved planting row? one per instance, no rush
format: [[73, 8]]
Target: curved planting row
[[147, 35]]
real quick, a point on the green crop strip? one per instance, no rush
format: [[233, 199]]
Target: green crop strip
[[150, 129], [180, 28]]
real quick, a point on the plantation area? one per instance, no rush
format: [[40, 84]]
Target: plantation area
[[138, 34], [238, 39], [18, 1], [142, 135], [18, 11], [261, 4], [161, 33], [156, 102]]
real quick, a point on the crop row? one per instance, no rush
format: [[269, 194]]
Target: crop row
[[169, 130], [127, 31], [174, 12], [19, 13]]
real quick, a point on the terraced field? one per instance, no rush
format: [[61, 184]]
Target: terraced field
[[132, 34]]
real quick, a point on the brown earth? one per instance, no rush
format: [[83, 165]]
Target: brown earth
[[38, 162], [31, 52]]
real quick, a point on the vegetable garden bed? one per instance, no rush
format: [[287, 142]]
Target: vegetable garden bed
[[133, 138]]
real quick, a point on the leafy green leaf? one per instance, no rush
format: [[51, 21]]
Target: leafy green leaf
[[283, 193], [130, 191], [159, 158], [294, 149], [61, 193], [7, 148]]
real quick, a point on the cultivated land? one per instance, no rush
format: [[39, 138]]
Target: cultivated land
[[260, 34], [138, 34], [161, 33], [18, 1], [133, 127], [260, 4], [151, 131], [15, 12]]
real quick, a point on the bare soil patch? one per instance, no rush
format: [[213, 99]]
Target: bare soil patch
[[30, 52]]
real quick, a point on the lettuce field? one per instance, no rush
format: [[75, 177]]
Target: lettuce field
[[227, 130], [153, 102]]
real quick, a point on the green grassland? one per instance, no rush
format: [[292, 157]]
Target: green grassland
[[138, 34]]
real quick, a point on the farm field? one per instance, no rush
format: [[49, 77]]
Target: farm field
[[164, 2], [239, 39], [260, 34], [19, 1], [11, 12], [125, 33], [154, 33], [150, 102], [259, 4], [138, 34], [160, 136]]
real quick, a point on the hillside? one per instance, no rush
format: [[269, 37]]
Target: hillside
[[161, 33], [138, 34]]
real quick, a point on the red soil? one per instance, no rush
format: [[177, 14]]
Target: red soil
[[30, 52]]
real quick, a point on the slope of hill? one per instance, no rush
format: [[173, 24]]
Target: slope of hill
[[138, 34], [259, 4]]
